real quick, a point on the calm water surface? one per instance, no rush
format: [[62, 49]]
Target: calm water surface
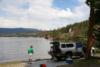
[[15, 48]]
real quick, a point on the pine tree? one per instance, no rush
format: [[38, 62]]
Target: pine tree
[[93, 19]]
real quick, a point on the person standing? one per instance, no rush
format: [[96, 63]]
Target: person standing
[[30, 53]]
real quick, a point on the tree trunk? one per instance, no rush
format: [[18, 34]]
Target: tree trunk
[[90, 33]]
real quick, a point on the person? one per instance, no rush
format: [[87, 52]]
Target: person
[[92, 51], [30, 53], [51, 52]]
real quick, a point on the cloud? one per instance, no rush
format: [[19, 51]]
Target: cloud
[[40, 14]]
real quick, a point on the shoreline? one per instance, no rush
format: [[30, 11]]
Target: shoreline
[[13, 64], [18, 63]]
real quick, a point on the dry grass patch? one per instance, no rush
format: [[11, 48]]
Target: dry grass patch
[[12, 64]]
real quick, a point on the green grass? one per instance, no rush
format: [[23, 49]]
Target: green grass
[[98, 51]]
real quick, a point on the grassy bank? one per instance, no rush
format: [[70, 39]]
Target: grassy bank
[[12, 64], [84, 63]]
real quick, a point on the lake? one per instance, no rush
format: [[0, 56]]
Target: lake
[[15, 48]]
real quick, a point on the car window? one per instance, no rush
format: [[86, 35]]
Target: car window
[[63, 45], [69, 45], [66, 45]]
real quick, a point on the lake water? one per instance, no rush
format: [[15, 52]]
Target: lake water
[[15, 48]]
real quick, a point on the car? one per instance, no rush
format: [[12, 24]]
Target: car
[[72, 49], [63, 50]]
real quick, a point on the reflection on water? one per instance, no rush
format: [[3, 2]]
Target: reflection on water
[[15, 48]]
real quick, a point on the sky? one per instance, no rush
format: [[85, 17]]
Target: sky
[[42, 14]]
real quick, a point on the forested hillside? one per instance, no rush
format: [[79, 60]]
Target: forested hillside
[[73, 32]]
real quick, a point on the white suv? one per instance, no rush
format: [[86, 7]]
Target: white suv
[[63, 50], [72, 48], [65, 47]]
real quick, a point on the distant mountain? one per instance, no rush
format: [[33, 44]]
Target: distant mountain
[[17, 30]]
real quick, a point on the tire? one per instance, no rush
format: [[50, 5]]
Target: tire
[[58, 57], [81, 55], [69, 53]]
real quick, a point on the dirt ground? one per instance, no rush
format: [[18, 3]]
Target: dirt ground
[[13, 64], [94, 62]]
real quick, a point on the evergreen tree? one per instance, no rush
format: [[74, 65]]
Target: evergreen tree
[[93, 19]]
